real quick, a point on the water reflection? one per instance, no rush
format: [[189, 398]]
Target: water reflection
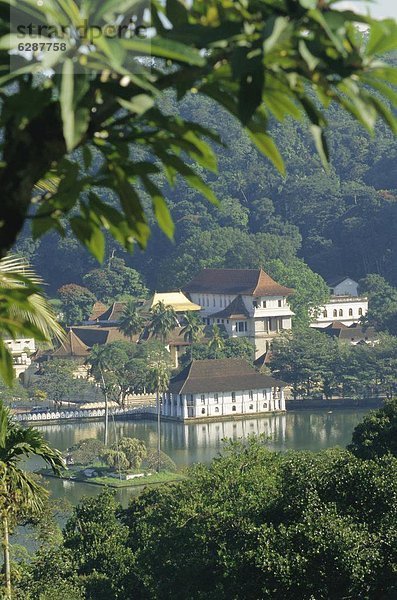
[[200, 442]]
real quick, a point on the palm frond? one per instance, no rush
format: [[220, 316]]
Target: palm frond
[[24, 310]]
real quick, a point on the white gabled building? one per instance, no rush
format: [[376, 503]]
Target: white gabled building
[[246, 302], [344, 305], [221, 388], [344, 286]]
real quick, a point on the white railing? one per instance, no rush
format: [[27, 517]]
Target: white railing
[[71, 414]]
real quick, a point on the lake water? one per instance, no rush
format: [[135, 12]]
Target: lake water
[[200, 442]]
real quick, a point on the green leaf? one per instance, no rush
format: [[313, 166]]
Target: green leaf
[[204, 156], [42, 223], [388, 74], [382, 37], [87, 157], [75, 120], [250, 93], [6, 368], [385, 113], [384, 88], [113, 221], [138, 104], [130, 203], [164, 48], [321, 18], [275, 27], [311, 60], [88, 232], [321, 144], [176, 12], [193, 179], [280, 104], [113, 49], [360, 105], [267, 146], [160, 208]]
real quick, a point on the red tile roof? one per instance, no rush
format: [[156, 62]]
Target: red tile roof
[[97, 310], [220, 375], [113, 313], [250, 282], [72, 345], [80, 340], [235, 310]]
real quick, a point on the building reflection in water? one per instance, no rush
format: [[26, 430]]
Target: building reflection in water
[[193, 442]]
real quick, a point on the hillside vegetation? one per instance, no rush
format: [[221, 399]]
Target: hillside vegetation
[[340, 222]]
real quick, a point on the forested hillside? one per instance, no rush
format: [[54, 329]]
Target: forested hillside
[[340, 222]]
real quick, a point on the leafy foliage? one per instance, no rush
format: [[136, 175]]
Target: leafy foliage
[[101, 558], [311, 362], [123, 368], [58, 383], [376, 435], [131, 321], [382, 303], [253, 523], [86, 451], [19, 490], [162, 321], [127, 453], [231, 348], [115, 281], [258, 524], [16, 393], [77, 303], [259, 60], [24, 310]]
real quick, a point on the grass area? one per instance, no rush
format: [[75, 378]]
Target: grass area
[[103, 478], [162, 477]]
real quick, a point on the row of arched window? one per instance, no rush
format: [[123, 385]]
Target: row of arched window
[[339, 313]]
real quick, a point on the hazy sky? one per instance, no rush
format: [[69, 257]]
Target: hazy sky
[[378, 8]]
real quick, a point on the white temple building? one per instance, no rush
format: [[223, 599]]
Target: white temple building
[[221, 388], [245, 302]]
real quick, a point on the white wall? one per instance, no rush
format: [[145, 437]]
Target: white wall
[[226, 404], [343, 309], [20, 345]]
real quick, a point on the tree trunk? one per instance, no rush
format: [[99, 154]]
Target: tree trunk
[[6, 552], [28, 154], [158, 429], [106, 435]]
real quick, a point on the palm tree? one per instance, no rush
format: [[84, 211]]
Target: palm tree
[[163, 320], [18, 489], [99, 361], [192, 330], [159, 365], [24, 310], [217, 342], [131, 321]]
